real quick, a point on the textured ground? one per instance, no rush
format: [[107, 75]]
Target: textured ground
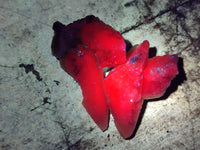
[[40, 105]]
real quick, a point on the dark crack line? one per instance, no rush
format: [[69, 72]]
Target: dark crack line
[[131, 3], [66, 130], [69, 145], [151, 19], [4, 66], [192, 40], [66, 135], [180, 20], [34, 108]]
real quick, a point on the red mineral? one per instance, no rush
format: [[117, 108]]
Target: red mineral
[[86, 46], [107, 43], [83, 67], [158, 73], [124, 90], [83, 48]]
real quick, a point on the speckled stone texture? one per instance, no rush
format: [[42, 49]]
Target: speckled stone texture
[[40, 105]]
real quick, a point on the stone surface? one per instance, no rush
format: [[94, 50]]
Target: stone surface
[[40, 105]]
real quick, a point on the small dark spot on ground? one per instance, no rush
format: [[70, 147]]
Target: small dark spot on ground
[[57, 82], [48, 90], [91, 129], [30, 68], [45, 100]]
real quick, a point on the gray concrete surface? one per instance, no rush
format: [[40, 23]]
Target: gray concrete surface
[[40, 105]]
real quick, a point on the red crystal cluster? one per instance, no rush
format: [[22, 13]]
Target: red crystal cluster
[[86, 46]]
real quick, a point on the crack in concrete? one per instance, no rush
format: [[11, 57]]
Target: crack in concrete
[[151, 19]]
